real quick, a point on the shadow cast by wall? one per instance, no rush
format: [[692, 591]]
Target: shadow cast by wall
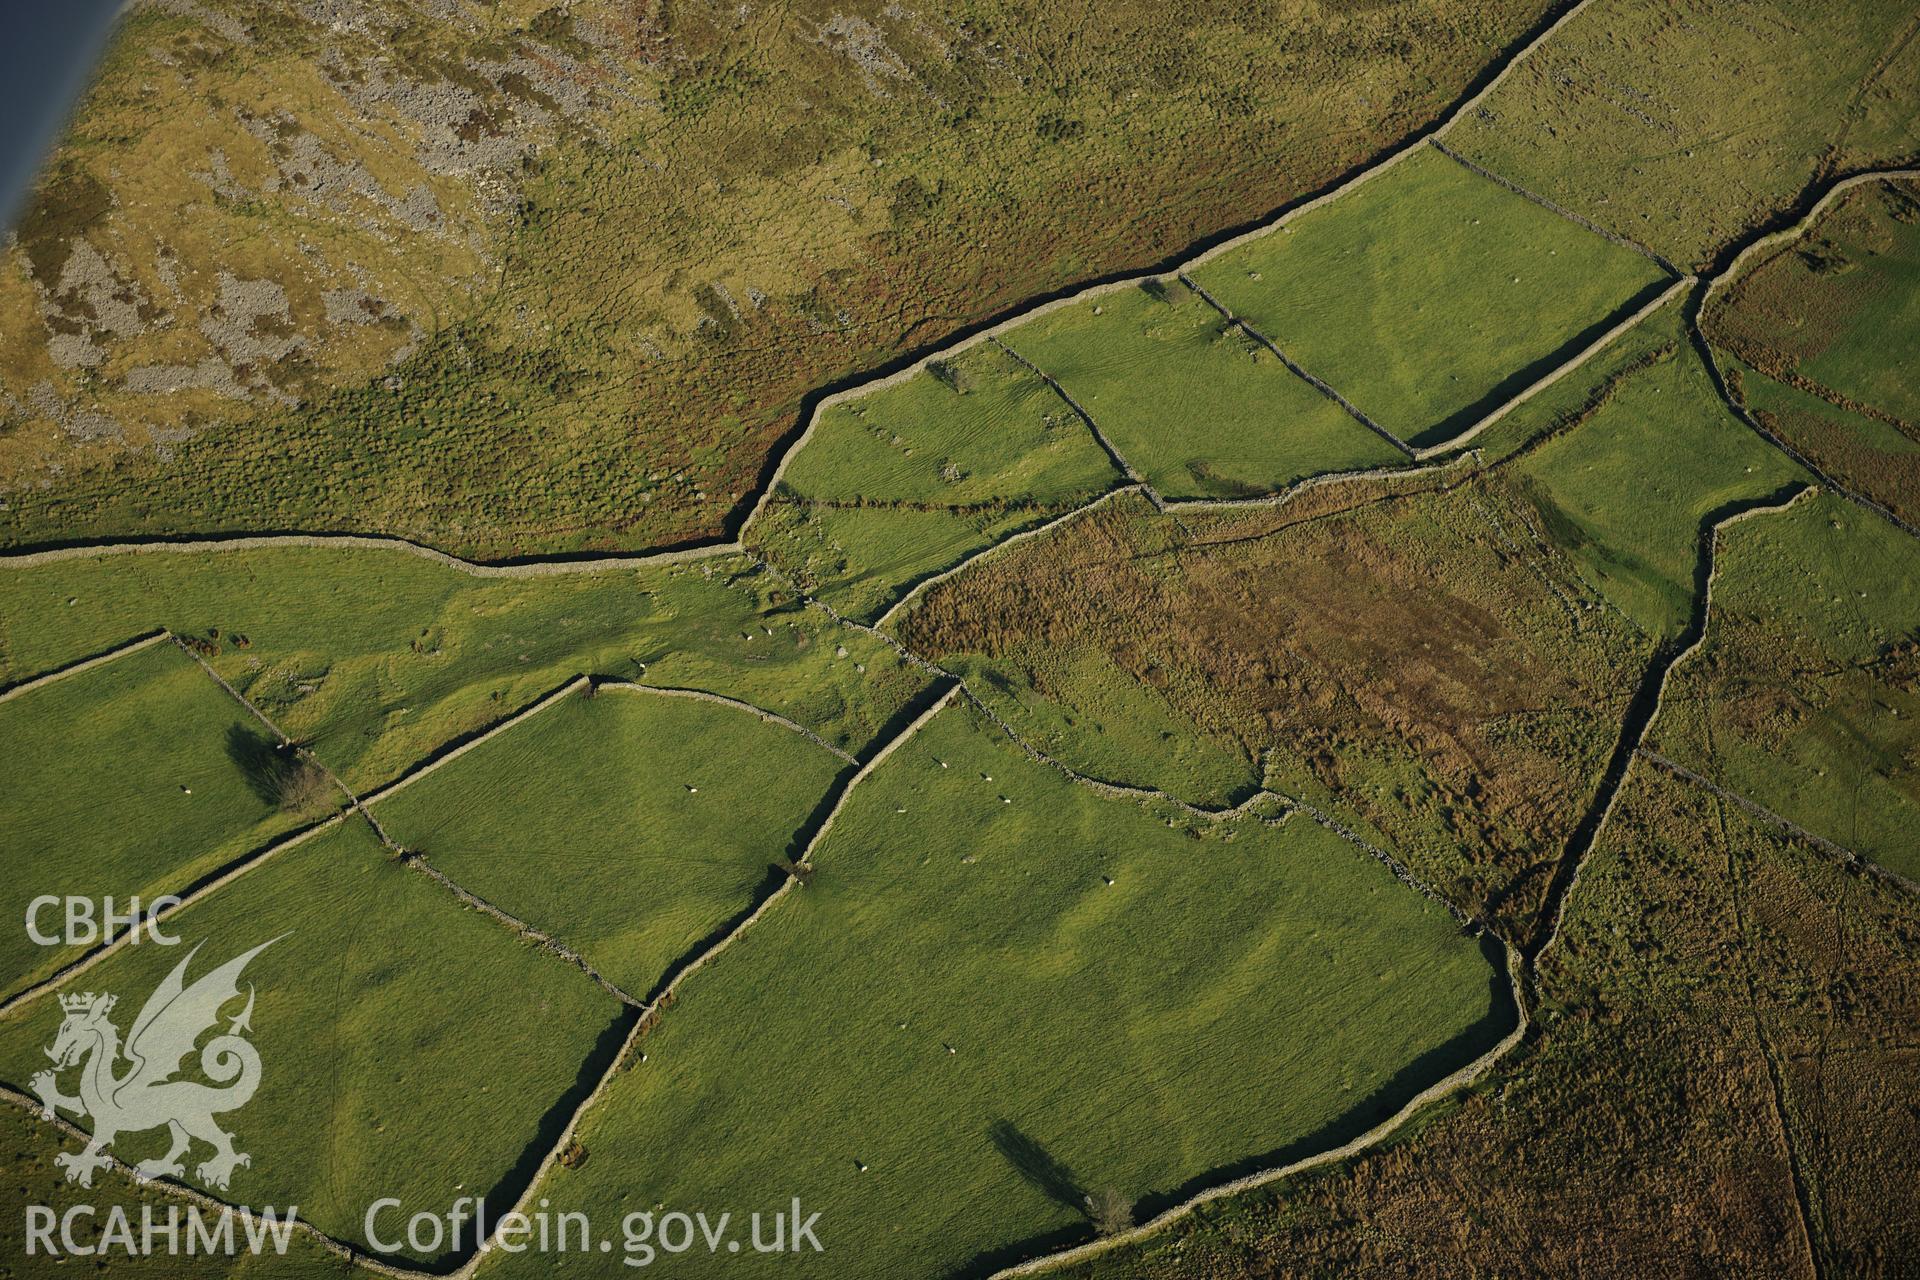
[[1502, 1015]]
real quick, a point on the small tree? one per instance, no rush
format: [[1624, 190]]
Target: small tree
[[1110, 1211], [304, 789]]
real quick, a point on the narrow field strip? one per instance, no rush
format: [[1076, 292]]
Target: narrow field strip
[[1294, 367], [1467, 460], [1847, 857], [1172, 506], [85, 664], [1592, 349], [543, 568]]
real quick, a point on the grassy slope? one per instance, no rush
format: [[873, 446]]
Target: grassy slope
[[130, 779], [378, 1020], [1640, 1129], [1806, 696], [378, 657], [1625, 492], [657, 229], [1198, 408], [910, 479], [1223, 999], [1430, 294], [1686, 125], [627, 825], [1867, 455], [1840, 308], [976, 428]]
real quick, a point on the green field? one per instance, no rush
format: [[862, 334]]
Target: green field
[[1625, 492], [132, 779], [958, 1028], [1805, 697], [1586, 390], [1198, 407], [628, 825], [1063, 698], [910, 479], [1430, 294], [410, 1046], [1838, 310], [969, 429], [1641, 1125], [1687, 124], [377, 657]]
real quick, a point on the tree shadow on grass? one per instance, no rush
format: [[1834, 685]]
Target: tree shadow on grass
[[1037, 1165], [261, 761]]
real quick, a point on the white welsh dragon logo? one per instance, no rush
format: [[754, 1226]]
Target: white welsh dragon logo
[[146, 1096]]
